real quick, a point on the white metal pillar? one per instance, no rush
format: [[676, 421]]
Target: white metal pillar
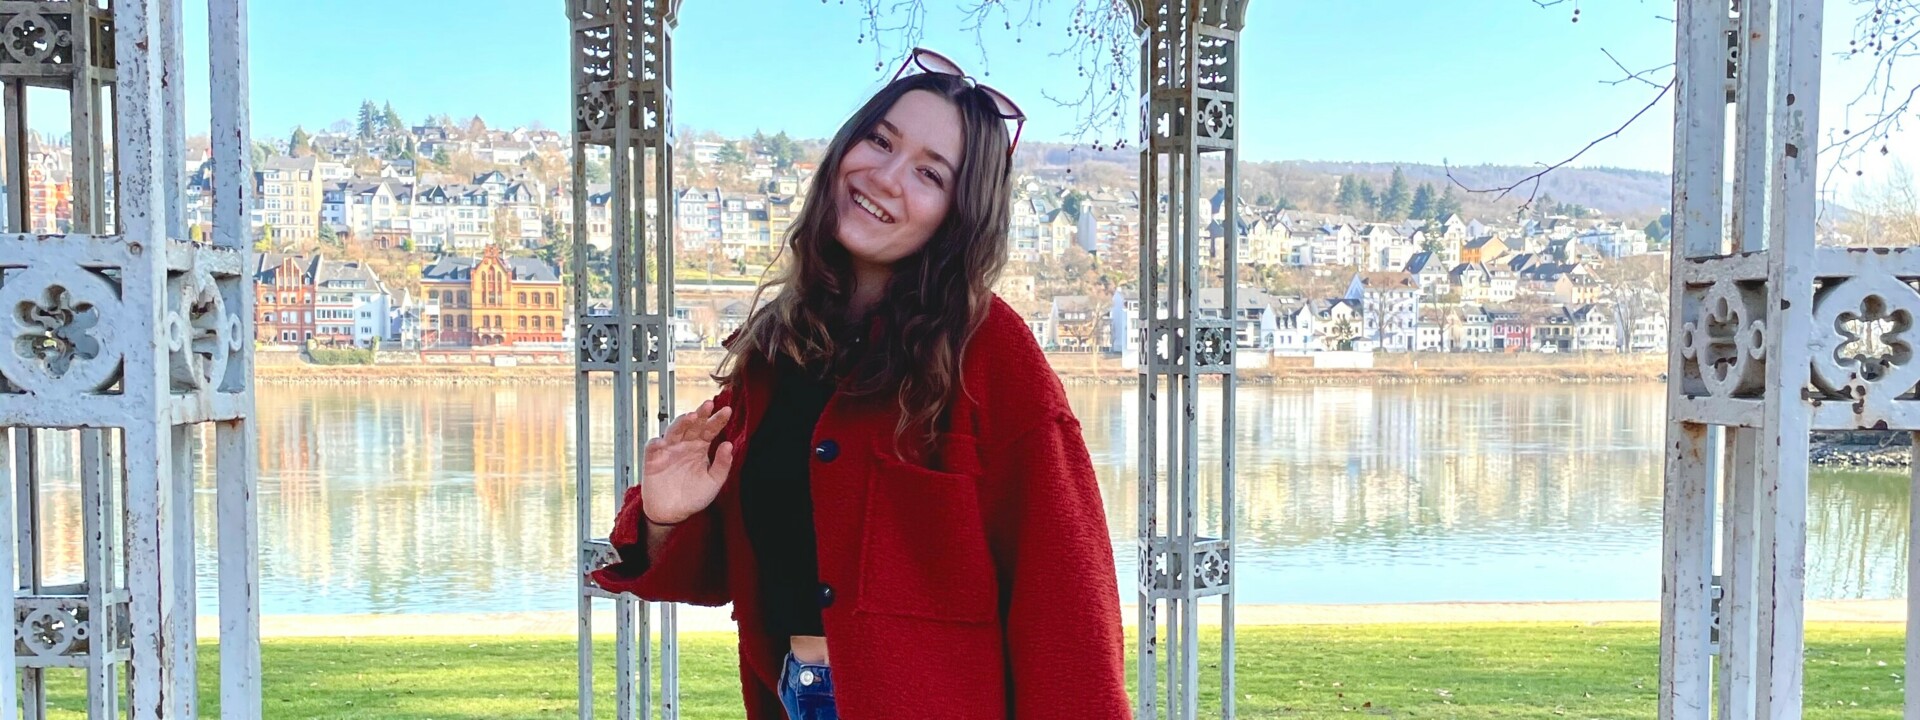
[[1761, 314], [124, 340], [623, 113], [1189, 93]]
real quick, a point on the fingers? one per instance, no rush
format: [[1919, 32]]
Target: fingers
[[713, 425], [686, 423], [653, 449], [722, 463]]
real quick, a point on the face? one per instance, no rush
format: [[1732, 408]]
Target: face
[[896, 184]]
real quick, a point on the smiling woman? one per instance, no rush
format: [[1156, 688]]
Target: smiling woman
[[913, 492]]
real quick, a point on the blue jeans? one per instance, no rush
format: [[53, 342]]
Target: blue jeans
[[806, 691]]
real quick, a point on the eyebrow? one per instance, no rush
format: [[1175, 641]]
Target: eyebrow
[[951, 168]]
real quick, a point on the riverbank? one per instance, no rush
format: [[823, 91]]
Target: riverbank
[[1074, 369], [1862, 450], [1315, 672], [704, 619]]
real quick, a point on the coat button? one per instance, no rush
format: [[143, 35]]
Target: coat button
[[827, 450], [826, 595]]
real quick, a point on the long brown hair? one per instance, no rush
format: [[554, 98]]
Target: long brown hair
[[936, 296]]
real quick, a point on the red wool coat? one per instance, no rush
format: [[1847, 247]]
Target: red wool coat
[[982, 589]]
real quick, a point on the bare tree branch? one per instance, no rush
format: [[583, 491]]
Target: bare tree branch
[[1536, 177], [1099, 37], [1885, 34], [1631, 75]]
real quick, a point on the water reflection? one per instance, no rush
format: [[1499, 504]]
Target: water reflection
[[462, 499]]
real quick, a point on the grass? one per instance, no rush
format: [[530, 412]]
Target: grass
[[1458, 671]]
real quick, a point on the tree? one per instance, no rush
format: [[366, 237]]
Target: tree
[[730, 154], [1423, 203], [406, 244], [476, 127], [392, 120], [1636, 286], [506, 228], [1369, 200], [1654, 230], [1072, 204], [1887, 214], [440, 158], [786, 152], [266, 242], [1448, 205], [369, 117], [328, 235], [1393, 203], [1348, 198], [301, 144], [262, 151]]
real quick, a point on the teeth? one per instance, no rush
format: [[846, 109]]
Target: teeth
[[872, 208]]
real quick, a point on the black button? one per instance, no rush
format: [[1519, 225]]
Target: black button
[[826, 595], [827, 450]]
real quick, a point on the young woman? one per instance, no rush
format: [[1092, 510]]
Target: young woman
[[890, 487]]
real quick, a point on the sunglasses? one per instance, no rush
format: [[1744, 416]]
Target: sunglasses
[[933, 62]]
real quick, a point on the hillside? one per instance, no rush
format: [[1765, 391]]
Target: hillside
[[1615, 192]]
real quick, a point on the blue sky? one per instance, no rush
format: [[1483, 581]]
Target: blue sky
[[1467, 81]]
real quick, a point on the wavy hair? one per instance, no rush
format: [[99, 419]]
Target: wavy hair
[[936, 297]]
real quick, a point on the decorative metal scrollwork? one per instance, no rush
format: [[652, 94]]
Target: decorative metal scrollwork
[[1727, 341], [62, 329]]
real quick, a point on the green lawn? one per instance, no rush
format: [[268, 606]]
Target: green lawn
[[1854, 671]]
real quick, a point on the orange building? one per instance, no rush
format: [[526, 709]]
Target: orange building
[[283, 295], [492, 300], [49, 199]]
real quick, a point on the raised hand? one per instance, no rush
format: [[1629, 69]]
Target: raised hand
[[679, 479]]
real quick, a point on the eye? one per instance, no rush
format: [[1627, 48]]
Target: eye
[[934, 176], [881, 141]]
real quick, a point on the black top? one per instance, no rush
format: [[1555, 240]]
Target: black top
[[776, 502]]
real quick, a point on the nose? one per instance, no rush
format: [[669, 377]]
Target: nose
[[888, 178]]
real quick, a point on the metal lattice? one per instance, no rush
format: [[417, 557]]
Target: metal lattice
[[1774, 338], [1188, 109], [623, 110], [123, 341]]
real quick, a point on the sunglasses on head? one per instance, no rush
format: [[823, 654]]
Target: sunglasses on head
[[933, 62]]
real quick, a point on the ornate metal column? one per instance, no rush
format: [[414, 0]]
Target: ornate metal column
[[1189, 84], [1768, 347], [124, 340], [623, 107]]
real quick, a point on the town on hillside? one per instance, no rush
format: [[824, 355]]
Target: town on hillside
[[454, 236]]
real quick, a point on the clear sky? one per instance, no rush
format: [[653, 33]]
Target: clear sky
[[1465, 81]]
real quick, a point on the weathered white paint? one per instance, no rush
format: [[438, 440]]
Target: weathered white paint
[[1699, 147], [622, 56], [1737, 572], [1189, 79], [172, 341], [9, 690], [1795, 139]]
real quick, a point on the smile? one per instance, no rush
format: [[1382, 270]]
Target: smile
[[871, 207]]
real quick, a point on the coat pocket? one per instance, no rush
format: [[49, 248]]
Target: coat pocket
[[924, 546]]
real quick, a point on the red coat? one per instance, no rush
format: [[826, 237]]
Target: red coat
[[983, 589]]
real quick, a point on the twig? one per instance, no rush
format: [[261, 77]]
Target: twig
[[1536, 177], [1631, 75]]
